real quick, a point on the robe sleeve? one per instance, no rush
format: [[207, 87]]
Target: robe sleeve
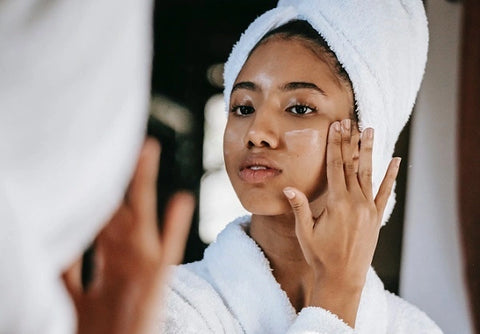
[[316, 320], [403, 318]]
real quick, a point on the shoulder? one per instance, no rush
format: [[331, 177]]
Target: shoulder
[[407, 318], [193, 305]]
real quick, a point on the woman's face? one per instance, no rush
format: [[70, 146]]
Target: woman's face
[[281, 106]]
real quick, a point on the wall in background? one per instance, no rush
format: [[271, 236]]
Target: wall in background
[[431, 275]]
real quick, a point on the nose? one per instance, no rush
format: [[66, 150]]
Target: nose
[[262, 131]]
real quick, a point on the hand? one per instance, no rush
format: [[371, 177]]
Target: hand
[[339, 244], [131, 257]]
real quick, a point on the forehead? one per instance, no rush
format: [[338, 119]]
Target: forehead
[[285, 60]]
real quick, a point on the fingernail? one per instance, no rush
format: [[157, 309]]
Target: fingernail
[[369, 133], [336, 126], [289, 193], [151, 146], [397, 161], [346, 124]]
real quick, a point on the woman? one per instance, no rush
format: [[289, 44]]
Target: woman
[[305, 86], [317, 186]]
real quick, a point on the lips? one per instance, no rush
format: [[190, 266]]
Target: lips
[[258, 170]]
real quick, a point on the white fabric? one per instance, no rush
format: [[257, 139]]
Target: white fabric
[[232, 290], [381, 44], [74, 87]]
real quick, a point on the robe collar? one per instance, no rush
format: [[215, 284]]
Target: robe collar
[[242, 275]]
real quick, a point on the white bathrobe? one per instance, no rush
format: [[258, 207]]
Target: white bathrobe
[[232, 290]]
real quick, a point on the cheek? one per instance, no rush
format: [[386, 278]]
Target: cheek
[[232, 142], [307, 149], [305, 142]]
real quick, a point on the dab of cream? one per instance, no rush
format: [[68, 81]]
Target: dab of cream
[[301, 140]]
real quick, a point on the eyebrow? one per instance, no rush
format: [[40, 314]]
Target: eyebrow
[[287, 87], [244, 85], [302, 85]]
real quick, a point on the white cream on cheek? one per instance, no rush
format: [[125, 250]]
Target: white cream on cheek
[[305, 140]]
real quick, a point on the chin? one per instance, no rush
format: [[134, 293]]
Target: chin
[[270, 206]]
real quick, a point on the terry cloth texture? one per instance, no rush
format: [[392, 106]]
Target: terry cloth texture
[[381, 44], [232, 290]]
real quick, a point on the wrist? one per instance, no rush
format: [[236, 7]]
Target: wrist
[[339, 297], [334, 294], [343, 283]]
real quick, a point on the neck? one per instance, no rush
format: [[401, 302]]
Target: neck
[[276, 237]]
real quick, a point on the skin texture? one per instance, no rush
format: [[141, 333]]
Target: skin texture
[[275, 134], [310, 190], [132, 257]]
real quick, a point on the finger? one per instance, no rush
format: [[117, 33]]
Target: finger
[[143, 189], [115, 245], [72, 280], [176, 226], [335, 173], [355, 147], [119, 228], [347, 154], [387, 184], [300, 207], [365, 163]]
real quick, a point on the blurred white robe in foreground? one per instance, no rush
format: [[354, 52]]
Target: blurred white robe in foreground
[[74, 88]]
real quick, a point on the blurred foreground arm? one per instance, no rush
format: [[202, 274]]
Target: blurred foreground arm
[[131, 257]]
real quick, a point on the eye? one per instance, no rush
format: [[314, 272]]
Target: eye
[[300, 109], [242, 110]]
